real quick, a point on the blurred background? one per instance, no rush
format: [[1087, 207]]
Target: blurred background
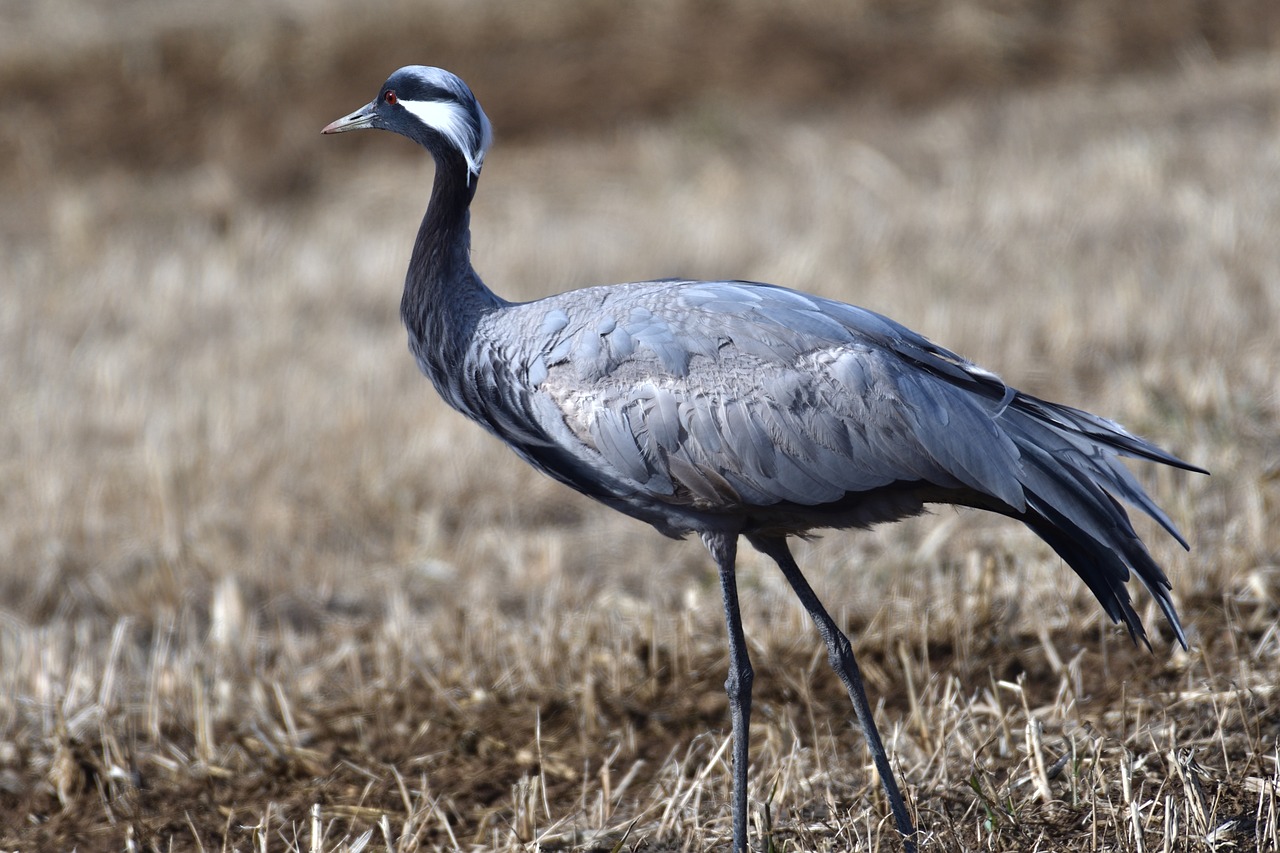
[[218, 457], [150, 87]]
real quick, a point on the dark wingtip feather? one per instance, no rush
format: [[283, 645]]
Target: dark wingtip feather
[[1105, 564], [1073, 478], [1101, 430], [1100, 569]]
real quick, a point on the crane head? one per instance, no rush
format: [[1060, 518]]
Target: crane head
[[432, 107]]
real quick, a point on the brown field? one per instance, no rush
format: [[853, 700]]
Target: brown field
[[260, 590]]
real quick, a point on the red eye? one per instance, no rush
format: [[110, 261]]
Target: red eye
[[390, 97]]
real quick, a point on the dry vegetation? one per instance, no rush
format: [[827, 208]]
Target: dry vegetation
[[260, 590]]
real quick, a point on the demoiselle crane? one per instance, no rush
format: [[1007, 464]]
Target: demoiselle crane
[[736, 409]]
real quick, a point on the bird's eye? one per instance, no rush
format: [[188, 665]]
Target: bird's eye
[[390, 97]]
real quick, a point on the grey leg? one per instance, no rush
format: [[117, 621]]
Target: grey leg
[[840, 654], [724, 550]]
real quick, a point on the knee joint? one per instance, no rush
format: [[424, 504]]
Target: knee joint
[[739, 680], [840, 651]]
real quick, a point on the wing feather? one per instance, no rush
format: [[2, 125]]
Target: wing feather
[[714, 392], [680, 401]]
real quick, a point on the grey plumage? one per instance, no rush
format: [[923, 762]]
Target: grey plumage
[[745, 407], [729, 408]]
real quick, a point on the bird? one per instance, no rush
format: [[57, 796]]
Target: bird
[[741, 410]]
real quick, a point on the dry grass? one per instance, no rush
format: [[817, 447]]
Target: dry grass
[[260, 590]]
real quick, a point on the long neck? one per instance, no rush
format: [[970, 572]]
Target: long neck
[[443, 297]]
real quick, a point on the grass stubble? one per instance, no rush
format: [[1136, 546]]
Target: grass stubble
[[262, 591]]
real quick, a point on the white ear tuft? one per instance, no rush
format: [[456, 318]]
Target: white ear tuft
[[452, 121]]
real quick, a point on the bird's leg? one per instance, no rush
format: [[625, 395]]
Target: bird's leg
[[840, 653], [724, 550]]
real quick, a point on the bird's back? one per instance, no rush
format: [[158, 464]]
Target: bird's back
[[729, 396], [697, 406]]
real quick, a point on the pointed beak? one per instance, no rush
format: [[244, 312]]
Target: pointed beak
[[358, 120]]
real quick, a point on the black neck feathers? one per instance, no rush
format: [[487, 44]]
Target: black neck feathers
[[443, 296]]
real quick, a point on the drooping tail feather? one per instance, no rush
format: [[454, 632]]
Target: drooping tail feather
[[1071, 478], [1105, 571]]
